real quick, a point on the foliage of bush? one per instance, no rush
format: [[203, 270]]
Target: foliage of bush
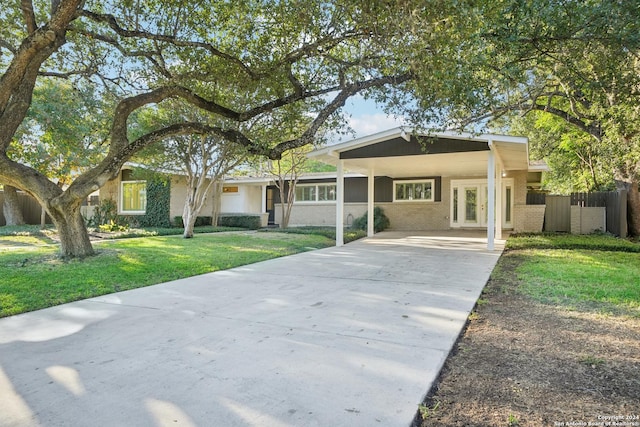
[[380, 221], [158, 205], [201, 221], [112, 226], [252, 222], [161, 231], [105, 213]]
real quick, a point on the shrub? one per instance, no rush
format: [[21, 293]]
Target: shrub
[[105, 213], [380, 221], [158, 204], [201, 221], [244, 221], [112, 226]]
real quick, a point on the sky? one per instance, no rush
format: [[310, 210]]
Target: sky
[[365, 118]]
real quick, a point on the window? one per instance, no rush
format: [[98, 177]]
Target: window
[[316, 193], [471, 204], [305, 193], [413, 191], [326, 193], [455, 205], [133, 197], [507, 205]]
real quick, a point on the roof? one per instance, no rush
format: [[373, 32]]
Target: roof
[[393, 153]]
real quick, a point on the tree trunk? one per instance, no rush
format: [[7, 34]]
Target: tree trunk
[[285, 208], [74, 237], [216, 201], [43, 218], [633, 208], [11, 207], [189, 220]]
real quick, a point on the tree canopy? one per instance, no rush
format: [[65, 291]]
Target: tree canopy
[[252, 64], [574, 66], [256, 64]]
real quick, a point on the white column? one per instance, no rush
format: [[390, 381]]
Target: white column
[[340, 204], [264, 199], [498, 198], [370, 202], [491, 191]]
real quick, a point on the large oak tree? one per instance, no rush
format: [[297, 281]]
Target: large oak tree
[[577, 61], [243, 62]]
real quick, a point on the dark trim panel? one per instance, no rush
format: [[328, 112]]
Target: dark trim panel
[[417, 146], [355, 188]]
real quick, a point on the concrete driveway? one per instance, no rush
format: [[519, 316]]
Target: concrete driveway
[[350, 336]]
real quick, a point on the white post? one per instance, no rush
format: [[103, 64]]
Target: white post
[[340, 204], [370, 202], [499, 199], [264, 199], [491, 191]]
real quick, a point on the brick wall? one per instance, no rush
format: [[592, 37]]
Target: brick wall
[[402, 216], [320, 214], [528, 218], [417, 215], [588, 220]]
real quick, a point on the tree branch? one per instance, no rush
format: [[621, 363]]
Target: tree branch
[[112, 22], [29, 17], [17, 82], [5, 44], [338, 102], [592, 129]]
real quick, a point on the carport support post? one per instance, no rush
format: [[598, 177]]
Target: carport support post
[[340, 204], [499, 199], [370, 201], [491, 196]]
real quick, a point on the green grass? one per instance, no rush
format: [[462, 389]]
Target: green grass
[[350, 235], [603, 242], [25, 235], [595, 272], [36, 278], [160, 231]]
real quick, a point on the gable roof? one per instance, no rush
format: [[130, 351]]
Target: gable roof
[[400, 152]]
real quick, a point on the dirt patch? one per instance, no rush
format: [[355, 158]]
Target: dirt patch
[[523, 363]]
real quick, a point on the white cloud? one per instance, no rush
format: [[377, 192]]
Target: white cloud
[[366, 124]]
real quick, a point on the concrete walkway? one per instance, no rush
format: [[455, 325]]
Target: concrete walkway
[[350, 336]]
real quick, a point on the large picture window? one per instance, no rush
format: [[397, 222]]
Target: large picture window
[[316, 193], [413, 191], [133, 197]]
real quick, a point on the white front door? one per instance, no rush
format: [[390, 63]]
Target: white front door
[[469, 203]]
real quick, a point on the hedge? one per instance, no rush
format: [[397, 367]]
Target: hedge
[[201, 221], [252, 222]]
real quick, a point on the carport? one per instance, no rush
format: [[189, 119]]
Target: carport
[[401, 153]]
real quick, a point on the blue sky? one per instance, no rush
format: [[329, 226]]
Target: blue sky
[[365, 118]]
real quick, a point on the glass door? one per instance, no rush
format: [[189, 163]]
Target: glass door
[[469, 203]]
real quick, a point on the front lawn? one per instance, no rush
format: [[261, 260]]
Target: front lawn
[[35, 277], [596, 272]]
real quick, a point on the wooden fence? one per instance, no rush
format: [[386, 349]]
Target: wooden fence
[[558, 214], [30, 208]]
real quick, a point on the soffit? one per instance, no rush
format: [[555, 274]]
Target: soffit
[[451, 164]]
